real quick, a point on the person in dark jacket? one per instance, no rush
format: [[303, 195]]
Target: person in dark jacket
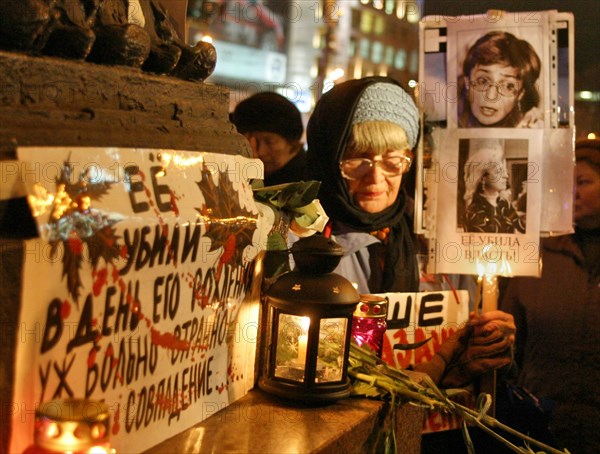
[[273, 126], [558, 320]]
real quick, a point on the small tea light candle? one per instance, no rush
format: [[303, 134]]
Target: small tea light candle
[[72, 426], [369, 322]]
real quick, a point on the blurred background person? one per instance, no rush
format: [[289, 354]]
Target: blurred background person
[[498, 84], [273, 126], [558, 320]]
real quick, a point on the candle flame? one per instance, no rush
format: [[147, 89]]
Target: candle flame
[[304, 324]]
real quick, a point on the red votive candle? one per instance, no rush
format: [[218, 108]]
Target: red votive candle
[[369, 322]]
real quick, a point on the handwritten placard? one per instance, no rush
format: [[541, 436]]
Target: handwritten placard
[[137, 292], [415, 317]]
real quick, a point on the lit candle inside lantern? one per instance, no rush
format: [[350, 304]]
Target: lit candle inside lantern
[[303, 339], [309, 316]]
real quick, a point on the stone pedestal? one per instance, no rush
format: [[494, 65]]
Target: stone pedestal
[[50, 101]]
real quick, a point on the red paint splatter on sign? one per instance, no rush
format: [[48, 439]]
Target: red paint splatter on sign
[[65, 309], [101, 279], [174, 206], [168, 340], [116, 426], [92, 357]]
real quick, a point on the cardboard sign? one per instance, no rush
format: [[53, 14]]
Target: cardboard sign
[[137, 292], [415, 317], [466, 241], [482, 206]]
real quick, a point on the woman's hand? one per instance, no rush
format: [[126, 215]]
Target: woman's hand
[[484, 344], [493, 323]]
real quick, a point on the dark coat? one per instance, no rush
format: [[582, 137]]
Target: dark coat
[[558, 340], [481, 216], [294, 170]]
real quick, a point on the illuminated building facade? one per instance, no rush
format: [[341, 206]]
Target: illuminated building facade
[[299, 47]]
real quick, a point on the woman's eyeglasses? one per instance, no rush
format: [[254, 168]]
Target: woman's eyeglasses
[[356, 168], [508, 88]]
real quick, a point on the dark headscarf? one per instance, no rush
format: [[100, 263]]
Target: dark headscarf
[[328, 131]]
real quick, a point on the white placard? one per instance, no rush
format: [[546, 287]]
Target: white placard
[[416, 317], [137, 292], [502, 243]]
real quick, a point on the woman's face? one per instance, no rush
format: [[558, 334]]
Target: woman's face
[[493, 92], [375, 190], [587, 195], [495, 178]]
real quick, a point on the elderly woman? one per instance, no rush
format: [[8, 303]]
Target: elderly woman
[[360, 138], [488, 207]]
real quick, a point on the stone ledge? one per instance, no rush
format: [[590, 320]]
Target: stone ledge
[[261, 423], [50, 101]]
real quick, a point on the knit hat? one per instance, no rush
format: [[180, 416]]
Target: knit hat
[[268, 112], [389, 102]]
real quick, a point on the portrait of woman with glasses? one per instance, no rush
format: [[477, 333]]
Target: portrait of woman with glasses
[[498, 84]]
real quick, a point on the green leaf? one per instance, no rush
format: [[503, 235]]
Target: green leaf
[[276, 242], [288, 195], [299, 194]]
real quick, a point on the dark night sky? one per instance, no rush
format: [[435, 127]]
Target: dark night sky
[[587, 27]]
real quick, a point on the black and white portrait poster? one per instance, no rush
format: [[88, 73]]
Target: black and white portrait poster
[[489, 187], [489, 71], [498, 65]]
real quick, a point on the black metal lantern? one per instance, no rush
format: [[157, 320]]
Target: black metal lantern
[[309, 317]]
